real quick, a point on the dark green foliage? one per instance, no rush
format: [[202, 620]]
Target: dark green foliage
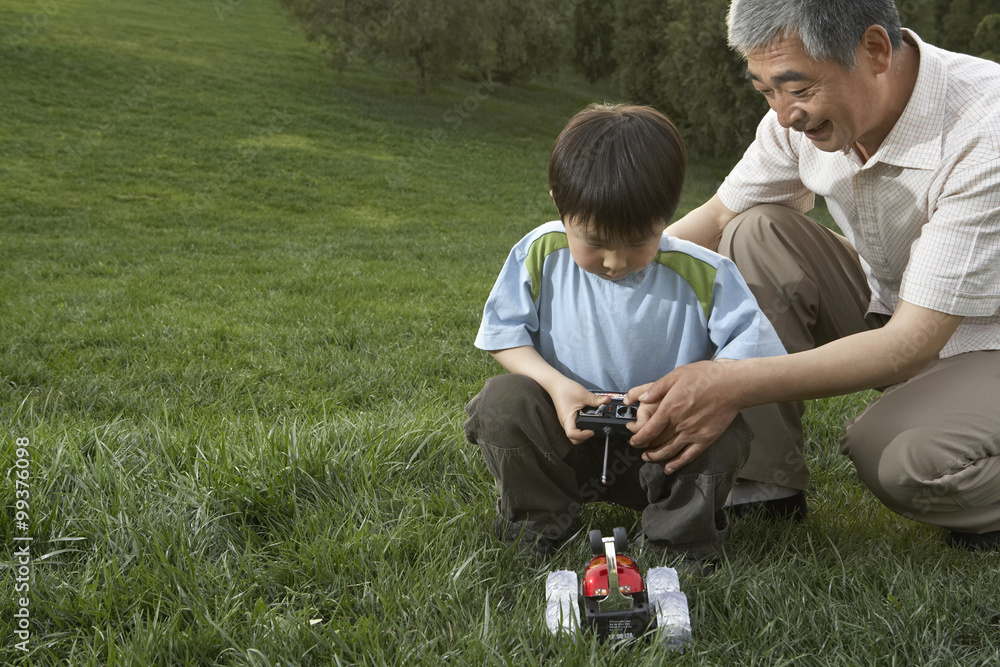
[[986, 39], [961, 23], [638, 44], [669, 53], [415, 38], [704, 84], [673, 54], [429, 40], [594, 38], [521, 39], [966, 26]]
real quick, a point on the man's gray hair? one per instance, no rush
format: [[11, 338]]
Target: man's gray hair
[[829, 29]]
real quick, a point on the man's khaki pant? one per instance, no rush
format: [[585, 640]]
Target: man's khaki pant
[[928, 448]]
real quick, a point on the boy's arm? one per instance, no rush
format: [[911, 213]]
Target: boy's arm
[[567, 395], [704, 224]]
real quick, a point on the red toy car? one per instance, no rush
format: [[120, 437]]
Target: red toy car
[[617, 603]]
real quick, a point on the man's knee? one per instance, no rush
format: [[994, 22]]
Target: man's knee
[[902, 472], [755, 226]]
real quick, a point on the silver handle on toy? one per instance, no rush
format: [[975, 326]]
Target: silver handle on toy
[[615, 601]]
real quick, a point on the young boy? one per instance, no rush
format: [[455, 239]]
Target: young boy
[[601, 300]]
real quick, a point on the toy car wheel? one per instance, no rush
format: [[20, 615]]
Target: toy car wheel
[[621, 540], [596, 543], [670, 607], [562, 610]]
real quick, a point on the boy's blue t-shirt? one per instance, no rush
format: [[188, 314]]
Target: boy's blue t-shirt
[[690, 304]]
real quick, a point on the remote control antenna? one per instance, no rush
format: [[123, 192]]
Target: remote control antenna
[[607, 440]]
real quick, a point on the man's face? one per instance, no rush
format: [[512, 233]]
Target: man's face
[[832, 106], [610, 261]]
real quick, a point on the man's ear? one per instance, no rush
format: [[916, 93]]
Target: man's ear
[[876, 48]]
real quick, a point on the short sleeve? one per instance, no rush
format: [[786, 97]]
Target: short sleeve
[[954, 265], [737, 326], [768, 173], [510, 316]]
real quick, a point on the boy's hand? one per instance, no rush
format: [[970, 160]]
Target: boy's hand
[[569, 398], [567, 395]]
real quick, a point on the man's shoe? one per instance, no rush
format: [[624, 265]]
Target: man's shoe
[[793, 507], [973, 541]]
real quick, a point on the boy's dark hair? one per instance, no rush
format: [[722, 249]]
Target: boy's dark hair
[[618, 171]]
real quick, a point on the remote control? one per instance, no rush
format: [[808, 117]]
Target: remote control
[[614, 415]]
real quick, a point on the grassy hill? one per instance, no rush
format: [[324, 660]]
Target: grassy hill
[[239, 292]]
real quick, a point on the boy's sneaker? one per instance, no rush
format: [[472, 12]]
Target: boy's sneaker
[[973, 541], [684, 563], [528, 542]]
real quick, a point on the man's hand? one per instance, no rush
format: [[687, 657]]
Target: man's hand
[[686, 410], [683, 413], [569, 397]]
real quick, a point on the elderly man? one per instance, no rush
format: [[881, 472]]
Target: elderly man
[[902, 139]]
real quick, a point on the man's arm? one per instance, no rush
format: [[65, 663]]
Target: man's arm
[[686, 410], [704, 224], [567, 395]]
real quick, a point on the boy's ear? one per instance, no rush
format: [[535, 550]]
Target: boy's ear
[[555, 204]]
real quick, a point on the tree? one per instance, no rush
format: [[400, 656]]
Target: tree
[[520, 39], [958, 26], [413, 36], [639, 41], [594, 39], [673, 54], [433, 39], [986, 40], [703, 82], [966, 26]]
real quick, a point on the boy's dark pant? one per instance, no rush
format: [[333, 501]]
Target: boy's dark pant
[[545, 479]]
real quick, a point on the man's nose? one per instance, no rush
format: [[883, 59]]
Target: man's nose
[[789, 114]]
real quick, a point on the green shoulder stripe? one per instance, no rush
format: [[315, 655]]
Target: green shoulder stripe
[[699, 275], [541, 248]]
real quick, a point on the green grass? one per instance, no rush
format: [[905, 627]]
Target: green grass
[[239, 293]]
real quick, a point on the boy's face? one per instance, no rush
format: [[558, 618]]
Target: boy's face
[[611, 262]]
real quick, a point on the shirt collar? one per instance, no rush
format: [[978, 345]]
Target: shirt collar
[[915, 139]]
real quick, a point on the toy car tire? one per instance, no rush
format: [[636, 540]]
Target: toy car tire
[[670, 607], [621, 540], [562, 608], [597, 543]]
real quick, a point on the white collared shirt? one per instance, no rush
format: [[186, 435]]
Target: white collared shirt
[[924, 211]]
